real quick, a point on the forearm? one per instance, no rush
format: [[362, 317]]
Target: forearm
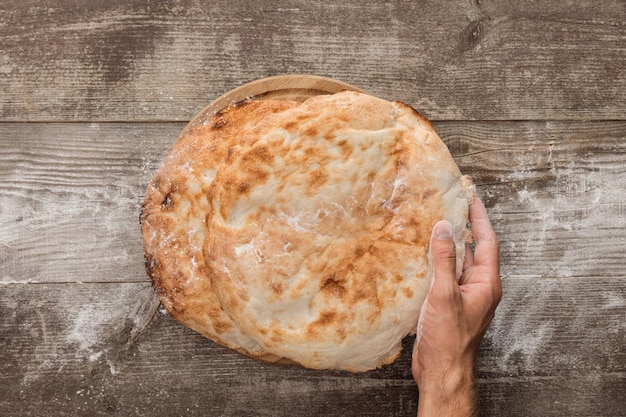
[[454, 395]]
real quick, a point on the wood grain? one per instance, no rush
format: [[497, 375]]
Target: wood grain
[[69, 349], [122, 61], [71, 199], [529, 96], [72, 194], [556, 192]]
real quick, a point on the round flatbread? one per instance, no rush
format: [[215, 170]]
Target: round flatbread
[[298, 233]]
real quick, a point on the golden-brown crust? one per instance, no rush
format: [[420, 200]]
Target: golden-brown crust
[[298, 233]]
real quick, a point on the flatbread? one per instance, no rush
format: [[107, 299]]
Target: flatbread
[[173, 222], [299, 232]]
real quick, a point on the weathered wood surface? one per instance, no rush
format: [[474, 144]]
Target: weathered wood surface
[[488, 59], [71, 196], [530, 98], [556, 348]]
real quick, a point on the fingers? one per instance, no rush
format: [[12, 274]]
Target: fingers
[[487, 252], [443, 261], [483, 233]]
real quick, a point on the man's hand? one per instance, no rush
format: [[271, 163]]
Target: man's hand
[[454, 318]]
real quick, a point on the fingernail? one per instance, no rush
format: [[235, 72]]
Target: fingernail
[[444, 230]]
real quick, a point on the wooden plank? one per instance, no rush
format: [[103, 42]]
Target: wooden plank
[[67, 349], [72, 194], [589, 395], [555, 192], [556, 347], [491, 59], [71, 199]]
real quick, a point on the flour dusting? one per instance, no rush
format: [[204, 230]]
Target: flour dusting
[[98, 328], [555, 205], [516, 329], [87, 327]]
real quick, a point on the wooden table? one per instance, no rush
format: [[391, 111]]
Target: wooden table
[[529, 96]]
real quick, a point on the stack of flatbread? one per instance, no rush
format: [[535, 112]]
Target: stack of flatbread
[[299, 232]]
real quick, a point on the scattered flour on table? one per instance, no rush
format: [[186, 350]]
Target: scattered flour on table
[[92, 333], [574, 201], [577, 199], [97, 328], [613, 300], [87, 327], [516, 330], [97, 325]]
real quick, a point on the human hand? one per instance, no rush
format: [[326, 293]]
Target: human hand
[[454, 318]]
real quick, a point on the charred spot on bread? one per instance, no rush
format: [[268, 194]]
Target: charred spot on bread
[[167, 201], [218, 123]]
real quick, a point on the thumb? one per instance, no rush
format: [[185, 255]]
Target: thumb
[[443, 261], [442, 258]]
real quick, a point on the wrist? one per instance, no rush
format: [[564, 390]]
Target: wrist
[[452, 394]]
